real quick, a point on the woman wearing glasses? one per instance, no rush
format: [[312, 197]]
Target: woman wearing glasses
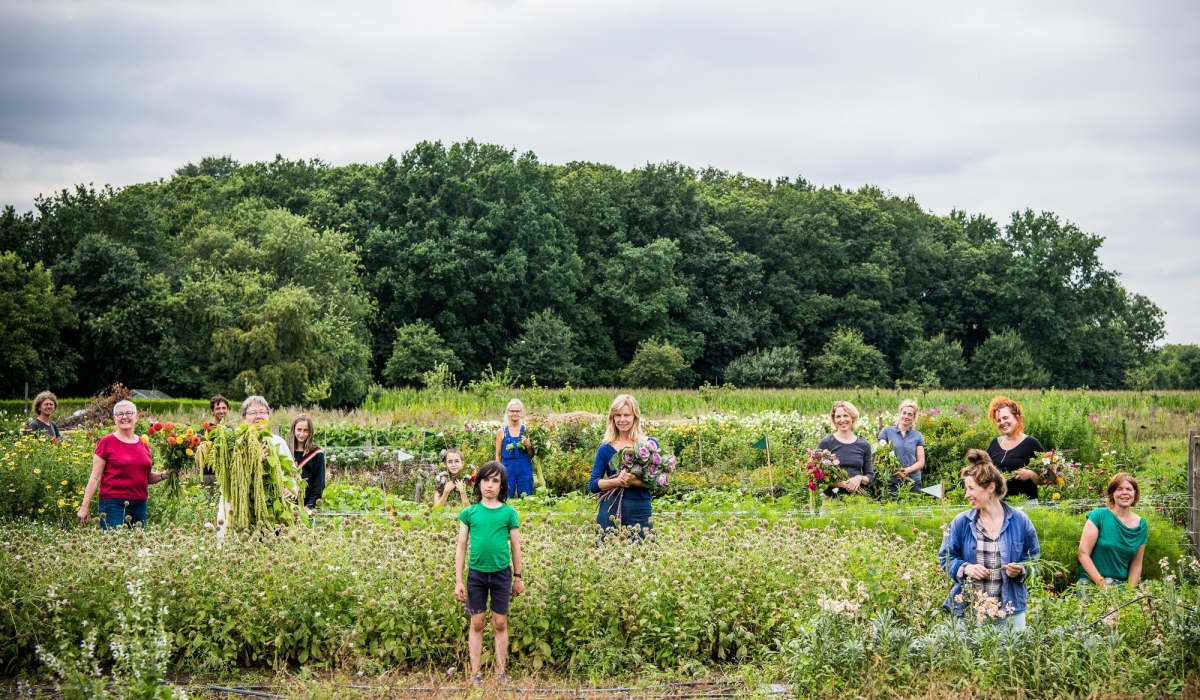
[[121, 471]]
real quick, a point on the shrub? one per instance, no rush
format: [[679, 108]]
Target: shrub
[[418, 349], [846, 361], [777, 368], [655, 365], [937, 356], [1003, 362], [545, 350]]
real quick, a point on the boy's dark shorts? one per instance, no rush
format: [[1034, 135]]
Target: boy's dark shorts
[[480, 583]]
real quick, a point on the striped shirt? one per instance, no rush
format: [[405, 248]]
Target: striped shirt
[[987, 554]]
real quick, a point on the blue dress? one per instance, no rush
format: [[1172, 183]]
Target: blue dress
[[634, 506], [517, 463]]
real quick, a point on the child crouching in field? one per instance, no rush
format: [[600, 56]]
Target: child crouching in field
[[491, 527]]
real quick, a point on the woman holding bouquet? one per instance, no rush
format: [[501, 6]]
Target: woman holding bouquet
[[1014, 450], [985, 549], [909, 446], [515, 451], [853, 452], [626, 499]]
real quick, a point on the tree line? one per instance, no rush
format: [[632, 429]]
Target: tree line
[[307, 282]]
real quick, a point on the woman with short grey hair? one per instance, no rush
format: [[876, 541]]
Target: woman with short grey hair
[[121, 472], [255, 409]]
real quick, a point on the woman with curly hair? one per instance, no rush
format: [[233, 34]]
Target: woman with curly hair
[[1013, 450]]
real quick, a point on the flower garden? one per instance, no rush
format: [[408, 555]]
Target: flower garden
[[747, 575]]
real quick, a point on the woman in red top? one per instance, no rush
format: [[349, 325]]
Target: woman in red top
[[121, 470]]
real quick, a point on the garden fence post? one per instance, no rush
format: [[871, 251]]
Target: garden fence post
[[770, 469], [1193, 490]]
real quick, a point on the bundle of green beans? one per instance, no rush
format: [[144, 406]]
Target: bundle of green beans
[[252, 476]]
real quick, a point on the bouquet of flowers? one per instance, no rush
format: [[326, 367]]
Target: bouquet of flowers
[[646, 461], [823, 470], [176, 448], [254, 480], [466, 475], [886, 461]]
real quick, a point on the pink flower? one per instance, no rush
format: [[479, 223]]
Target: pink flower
[[662, 479], [656, 458], [643, 453], [652, 444], [812, 486]]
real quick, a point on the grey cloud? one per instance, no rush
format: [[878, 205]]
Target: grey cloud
[[1086, 109]]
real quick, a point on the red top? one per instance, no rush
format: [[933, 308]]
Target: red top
[[126, 469]]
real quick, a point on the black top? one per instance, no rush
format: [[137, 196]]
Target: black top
[[855, 457], [1018, 457], [313, 472], [48, 428]]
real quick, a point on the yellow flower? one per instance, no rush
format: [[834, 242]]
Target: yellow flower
[[145, 440], [41, 510], [64, 483], [37, 471], [61, 503], [1056, 497], [190, 452]]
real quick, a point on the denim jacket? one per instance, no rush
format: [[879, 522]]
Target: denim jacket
[[1018, 544]]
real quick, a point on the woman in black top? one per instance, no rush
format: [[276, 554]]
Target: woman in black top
[[44, 406], [853, 452], [1013, 452], [310, 459]]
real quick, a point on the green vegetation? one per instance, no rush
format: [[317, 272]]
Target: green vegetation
[[304, 282]]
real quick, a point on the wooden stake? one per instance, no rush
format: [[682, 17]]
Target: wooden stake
[[700, 440], [943, 500], [770, 469], [26, 409]]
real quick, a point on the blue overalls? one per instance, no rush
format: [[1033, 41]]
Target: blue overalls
[[517, 463]]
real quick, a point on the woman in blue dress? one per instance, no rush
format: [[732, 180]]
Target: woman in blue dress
[[515, 452], [631, 505]]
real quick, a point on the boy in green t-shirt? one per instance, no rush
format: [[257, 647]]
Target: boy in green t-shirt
[[492, 528]]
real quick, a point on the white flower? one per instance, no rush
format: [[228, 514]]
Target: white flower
[[317, 614]]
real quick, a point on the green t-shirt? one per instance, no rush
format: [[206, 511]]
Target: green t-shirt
[[1116, 545], [489, 535]]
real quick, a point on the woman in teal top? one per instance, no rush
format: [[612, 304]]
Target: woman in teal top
[[1114, 538]]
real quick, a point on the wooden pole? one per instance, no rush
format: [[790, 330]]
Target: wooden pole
[[943, 500], [1193, 489], [26, 408], [770, 469], [700, 440]]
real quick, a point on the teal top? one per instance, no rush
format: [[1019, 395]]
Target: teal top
[[1116, 545]]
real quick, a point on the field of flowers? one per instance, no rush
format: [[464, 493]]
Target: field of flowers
[[741, 576], [813, 605]]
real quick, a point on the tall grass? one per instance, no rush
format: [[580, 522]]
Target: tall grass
[[679, 403]]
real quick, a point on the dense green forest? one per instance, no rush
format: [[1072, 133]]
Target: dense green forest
[[305, 281]]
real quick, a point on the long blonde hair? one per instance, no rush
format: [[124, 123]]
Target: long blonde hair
[[635, 431]]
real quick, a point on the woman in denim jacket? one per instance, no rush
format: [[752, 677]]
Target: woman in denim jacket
[[989, 549]]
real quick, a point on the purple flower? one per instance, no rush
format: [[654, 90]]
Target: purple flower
[[652, 444], [643, 453], [656, 458], [652, 471], [627, 457], [662, 479]]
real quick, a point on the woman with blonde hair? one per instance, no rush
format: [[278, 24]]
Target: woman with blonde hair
[[630, 506], [853, 452], [309, 458], [909, 445], [515, 452], [985, 549]]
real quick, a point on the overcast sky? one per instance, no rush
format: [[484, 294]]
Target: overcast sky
[[1089, 110]]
